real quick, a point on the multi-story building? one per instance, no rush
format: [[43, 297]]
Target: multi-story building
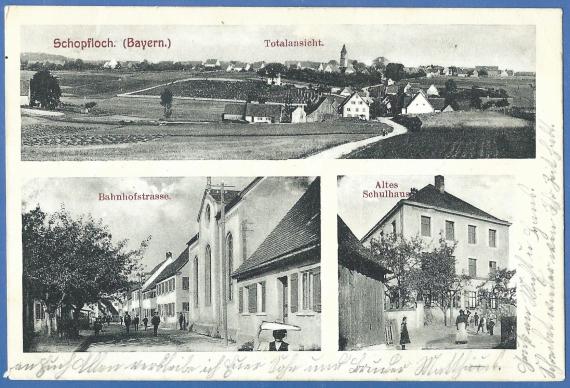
[[482, 240], [249, 216], [172, 288]]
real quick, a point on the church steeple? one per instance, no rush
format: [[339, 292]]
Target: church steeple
[[343, 60]]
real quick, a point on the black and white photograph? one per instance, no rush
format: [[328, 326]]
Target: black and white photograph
[[383, 91], [425, 263], [199, 264]]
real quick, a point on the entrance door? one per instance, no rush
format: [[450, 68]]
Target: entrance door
[[284, 298]]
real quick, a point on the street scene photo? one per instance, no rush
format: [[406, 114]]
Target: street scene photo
[[325, 92], [199, 264], [424, 263]]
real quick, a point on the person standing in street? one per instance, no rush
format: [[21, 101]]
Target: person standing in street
[[136, 321], [145, 323], [127, 321], [491, 326], [404, 335], [155, 322], [476, 317], [182, 321]]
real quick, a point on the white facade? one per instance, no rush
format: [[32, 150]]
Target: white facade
[[418, 105], [355, 106], [432, 91], [247, 224], [299, 115]]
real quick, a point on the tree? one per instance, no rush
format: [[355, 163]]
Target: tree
[[395, 71], [499, 288], [377, 109], [272, 70], [68, 262], [402, 258], [451, 93], [439, 277], [44, 90], [166, 101]]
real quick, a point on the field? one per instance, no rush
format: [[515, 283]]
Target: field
[[236, 90], [459, 135], [103, 84], [120, 128], [519, 88], [60, 140]]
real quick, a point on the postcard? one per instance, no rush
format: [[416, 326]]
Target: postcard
[[375, 193]]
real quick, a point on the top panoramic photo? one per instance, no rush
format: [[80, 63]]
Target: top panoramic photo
[[277, 92]]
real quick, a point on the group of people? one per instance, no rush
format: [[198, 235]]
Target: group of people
[[127, 320], [482, 323]]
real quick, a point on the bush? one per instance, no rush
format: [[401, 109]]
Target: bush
[[413, 123], [89, 105]]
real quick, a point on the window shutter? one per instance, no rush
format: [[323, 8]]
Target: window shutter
[[240, 302], [262, 297], [317, 292], [294, 293], [252, 298]]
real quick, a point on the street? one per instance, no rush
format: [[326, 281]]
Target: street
[[115, 339]]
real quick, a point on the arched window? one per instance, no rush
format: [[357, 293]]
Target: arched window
[[230, 261], [208, 276], [196, 289], [207, 214]]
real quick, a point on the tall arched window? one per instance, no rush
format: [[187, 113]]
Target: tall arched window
[[208, 276], [207, 214], [196, 277], [230, 261]]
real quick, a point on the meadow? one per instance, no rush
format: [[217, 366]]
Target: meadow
[[459, 135]]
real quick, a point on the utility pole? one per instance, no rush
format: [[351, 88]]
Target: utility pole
[[223, 264]]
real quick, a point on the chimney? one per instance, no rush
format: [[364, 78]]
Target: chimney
[[168, 255], [439, 183]]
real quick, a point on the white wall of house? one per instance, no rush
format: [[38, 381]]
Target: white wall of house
[[269, 193], [307, 316], [356, 107], [299, 115], [418, 105], [408, 221]]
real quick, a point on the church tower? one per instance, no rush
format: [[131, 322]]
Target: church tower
[[343, 60]]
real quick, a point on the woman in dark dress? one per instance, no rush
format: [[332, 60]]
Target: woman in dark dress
[[404, 335]]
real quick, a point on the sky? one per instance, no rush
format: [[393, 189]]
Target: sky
[[492, 194], [171, 223], [509, 47]]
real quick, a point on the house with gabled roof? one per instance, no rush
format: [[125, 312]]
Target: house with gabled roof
[[420, 103], [211, 63], [253, 113], [149, 287], [355, 106], [432, 213], [281, 280], [172, 288]]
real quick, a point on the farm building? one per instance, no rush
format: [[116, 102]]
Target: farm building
[[421, 103], [281, 280], [298, 115], [361, 293], [326, 109], [253, 113], [482, 239], [211, 63], [332, 107], [274, 80]]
